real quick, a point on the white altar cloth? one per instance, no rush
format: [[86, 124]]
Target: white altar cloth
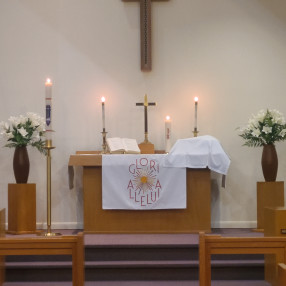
[[141, 182], [198, 152]]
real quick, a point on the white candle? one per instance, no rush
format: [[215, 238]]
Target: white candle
[[167, 134], [48, 97], [103, 113], [196, 112]]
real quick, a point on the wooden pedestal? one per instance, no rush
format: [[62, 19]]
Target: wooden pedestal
[[21, 208], [269, 194]]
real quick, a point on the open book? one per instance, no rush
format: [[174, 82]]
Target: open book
[[118, 145]]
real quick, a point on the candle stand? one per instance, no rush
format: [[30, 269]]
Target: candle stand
[[195, 132], [104, 145], [49, 232]]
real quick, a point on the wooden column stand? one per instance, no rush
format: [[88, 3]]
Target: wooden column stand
[[269, 194], [21, 208]]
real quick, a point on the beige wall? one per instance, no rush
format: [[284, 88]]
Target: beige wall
[[230, 53]]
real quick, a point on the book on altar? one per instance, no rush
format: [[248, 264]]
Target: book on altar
[[118, 145]]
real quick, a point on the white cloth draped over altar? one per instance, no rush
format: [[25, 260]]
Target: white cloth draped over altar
[[199, 152], [158, 181]]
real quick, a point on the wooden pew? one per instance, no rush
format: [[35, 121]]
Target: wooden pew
[[2, 258], [58, 245], [281, 274], [216, 244]]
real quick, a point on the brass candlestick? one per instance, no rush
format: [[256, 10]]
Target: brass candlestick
[[195, 132], [146, 138], [104, 145], [49, 147]]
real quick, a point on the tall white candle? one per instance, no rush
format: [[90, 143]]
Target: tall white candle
[[103, 113], [167, 134], [196, 113], [48, 97]]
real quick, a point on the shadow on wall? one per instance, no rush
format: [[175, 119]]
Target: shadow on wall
[[276, 7]]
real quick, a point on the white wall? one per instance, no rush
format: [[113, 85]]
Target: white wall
[[230, 53]]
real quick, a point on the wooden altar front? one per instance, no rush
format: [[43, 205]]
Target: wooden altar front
[[196, 217]]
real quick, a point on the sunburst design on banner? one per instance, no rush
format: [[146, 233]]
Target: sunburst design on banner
[[144, 180]]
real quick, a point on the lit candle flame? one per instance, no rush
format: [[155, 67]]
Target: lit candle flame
[[48, 81], [103, 99], [196, 99]]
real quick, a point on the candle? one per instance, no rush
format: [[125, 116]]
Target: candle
[[103, 113], [48, 97], [196, 113], [167, 134]]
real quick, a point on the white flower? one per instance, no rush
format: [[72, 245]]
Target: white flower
[[35, 137], [22, 131], [282, 132], [8, 135], [256, 133], [31, 127], [278, 118], [4, 126], [253, 123], [14, 120], [260, 116], [266, 129]]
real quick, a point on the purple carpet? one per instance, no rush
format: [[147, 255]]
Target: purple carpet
[[128, 259], [144, 283]]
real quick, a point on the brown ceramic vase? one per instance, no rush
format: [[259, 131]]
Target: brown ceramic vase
[[21, 165], [269, 162]]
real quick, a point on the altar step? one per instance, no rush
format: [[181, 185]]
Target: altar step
[[123, 259]]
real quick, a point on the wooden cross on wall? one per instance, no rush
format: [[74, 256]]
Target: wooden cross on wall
[[145, 32]]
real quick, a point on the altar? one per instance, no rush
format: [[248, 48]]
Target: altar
[[196, 217]]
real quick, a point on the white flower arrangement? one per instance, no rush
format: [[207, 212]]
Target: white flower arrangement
[[267, 127], [24, 130]]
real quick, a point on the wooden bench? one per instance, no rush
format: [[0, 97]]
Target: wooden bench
[[57, 245], [216, 244]]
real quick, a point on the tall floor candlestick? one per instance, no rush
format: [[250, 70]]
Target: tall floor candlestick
[[49, 147], [196, 117]]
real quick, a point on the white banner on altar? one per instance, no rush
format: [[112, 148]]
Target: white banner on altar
[[140, 182]]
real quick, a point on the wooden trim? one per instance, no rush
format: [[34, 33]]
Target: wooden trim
[[2, 258], [59, 245], [281, 274], [236, 245]]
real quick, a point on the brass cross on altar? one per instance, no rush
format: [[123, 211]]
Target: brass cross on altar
[[145, 29], [146, 104]]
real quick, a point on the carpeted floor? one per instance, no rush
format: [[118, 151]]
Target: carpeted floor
[[126, 240], [146, 283]]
